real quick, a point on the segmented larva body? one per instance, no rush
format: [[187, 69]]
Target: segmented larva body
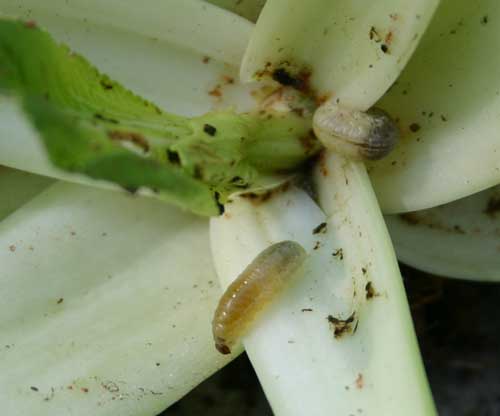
[[355, 134], [253, 290]]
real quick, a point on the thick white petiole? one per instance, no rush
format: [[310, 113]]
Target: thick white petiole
[[340, 340], [447, 103], [460, 239], [102, 311]]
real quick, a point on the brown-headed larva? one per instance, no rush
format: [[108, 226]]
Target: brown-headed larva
[[252, 291], [355, 134]]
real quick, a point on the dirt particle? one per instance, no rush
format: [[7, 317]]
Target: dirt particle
[[110, 386], [309, 142], [84, 389], [298, 81], [339, 253], [306, 310], [317, 245], [374, 35], [322, 164], [484, 20], [282, 76], [341, 327], [384, 48], [323, 98], [360, 381], [321, 228], [210, 130], [50, 395], [60, 300], [173, 157], [216, 91], [389, 38], [370, 291], [33, 388], [205, 59], [12, 248], [219, 204], [414, 127]]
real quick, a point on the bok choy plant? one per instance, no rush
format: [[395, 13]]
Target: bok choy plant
[[150, 151]]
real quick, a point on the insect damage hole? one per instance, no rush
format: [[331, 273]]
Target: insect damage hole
[[253, 290], [355, 134]]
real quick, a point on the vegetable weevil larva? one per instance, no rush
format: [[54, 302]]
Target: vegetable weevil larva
[[253, 290]]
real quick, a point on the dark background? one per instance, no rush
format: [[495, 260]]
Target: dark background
[[458, 327]]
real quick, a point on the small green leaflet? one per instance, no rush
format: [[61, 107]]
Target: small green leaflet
[[91, 125]]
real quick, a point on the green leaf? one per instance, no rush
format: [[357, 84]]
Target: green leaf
[[447, 102], [106, 303], [92, 125], [459, 239]]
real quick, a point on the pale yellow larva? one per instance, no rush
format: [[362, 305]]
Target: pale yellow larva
[[356, 134], [252, 291]]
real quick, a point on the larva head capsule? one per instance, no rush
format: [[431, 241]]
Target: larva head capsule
[[355, 134]]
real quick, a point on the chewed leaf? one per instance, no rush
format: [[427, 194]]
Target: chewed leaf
[[91, 125], [92, 151]]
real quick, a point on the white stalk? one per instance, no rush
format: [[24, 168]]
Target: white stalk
[[105, 302], [190, 24], [460, 239], [303, 368], [341, 42], [447, 103]]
